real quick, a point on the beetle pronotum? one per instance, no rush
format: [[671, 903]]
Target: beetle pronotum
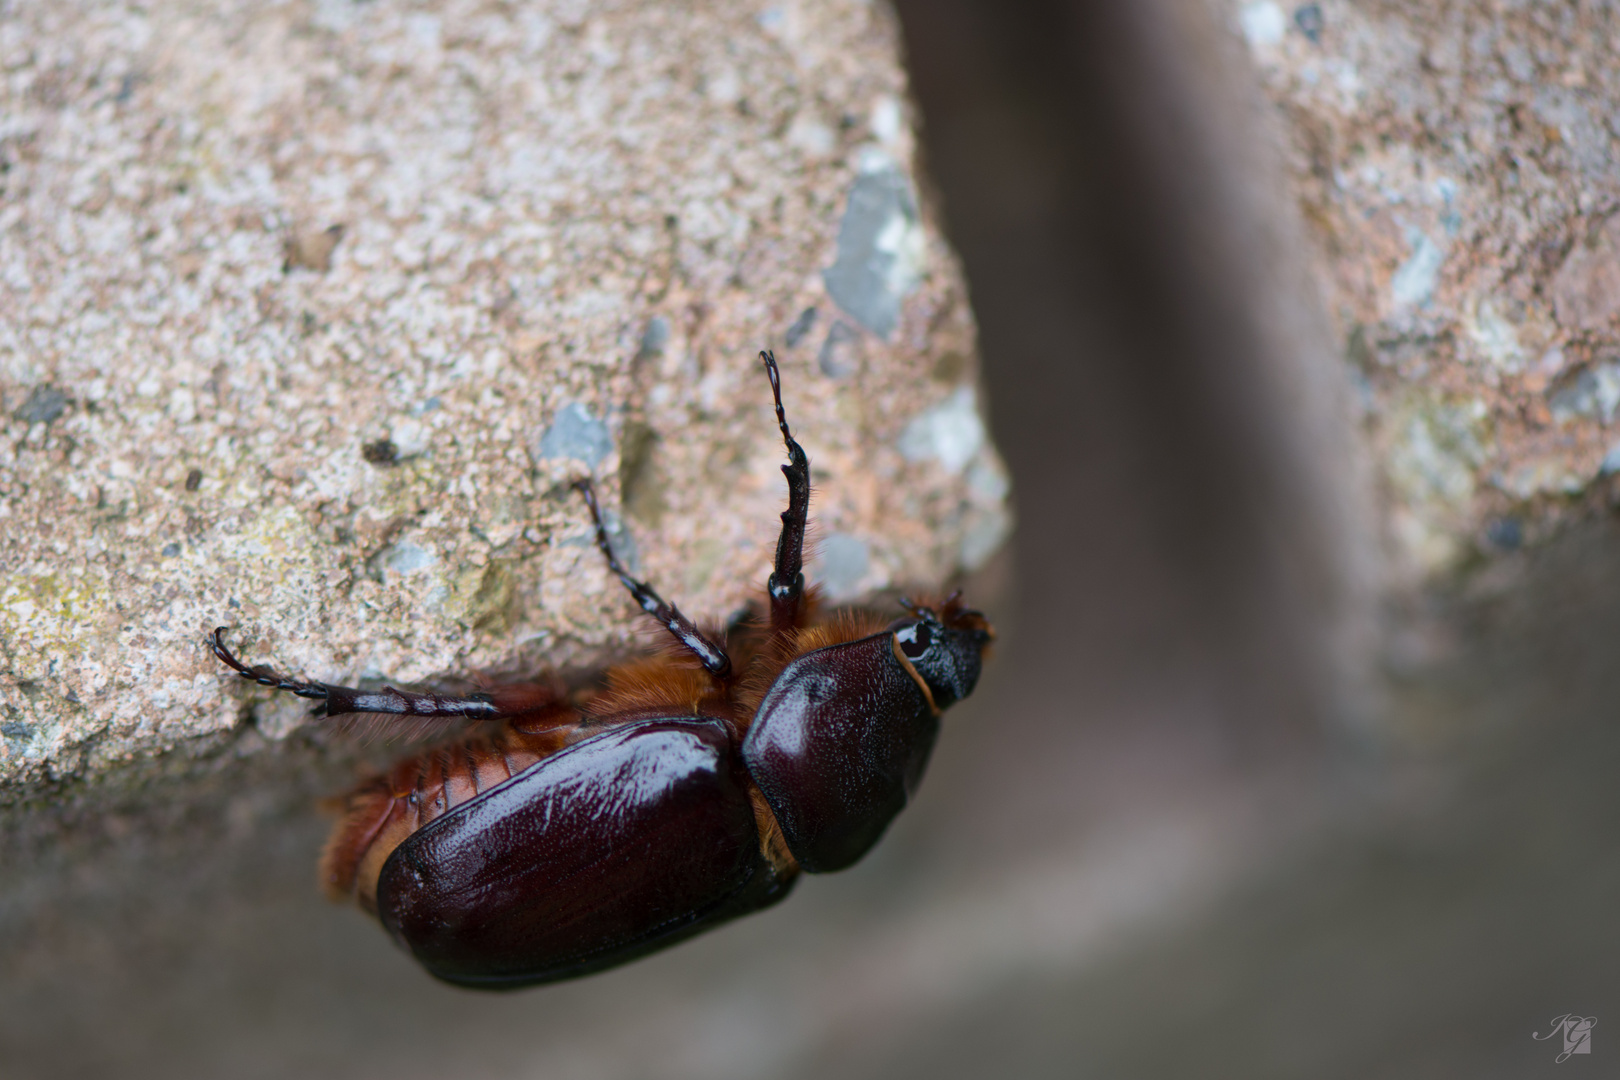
[[587, 828]]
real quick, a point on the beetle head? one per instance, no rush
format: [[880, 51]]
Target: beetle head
[[946, 646]]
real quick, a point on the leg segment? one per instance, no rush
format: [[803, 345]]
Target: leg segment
[[710, 655], [338, 700], [786, 584]]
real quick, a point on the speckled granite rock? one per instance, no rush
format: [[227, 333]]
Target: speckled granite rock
[[311, 310], [1455, 165]]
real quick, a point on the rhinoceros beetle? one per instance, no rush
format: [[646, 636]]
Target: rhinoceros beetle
[[584, 828]]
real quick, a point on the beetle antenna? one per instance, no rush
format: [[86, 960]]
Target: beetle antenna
[[262, 676]]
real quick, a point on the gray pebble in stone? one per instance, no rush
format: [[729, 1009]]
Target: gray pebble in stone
[[576, 434], [44, 405], [950, 433], [988, 480], [1505, 533], [1595, 393], [1308, 17], [1611, 461], [879, 250], [656, 336], [1414, 282], [984, 538], [402, 557], [837, 359], [840, 565], [410, 438], [801, 327]]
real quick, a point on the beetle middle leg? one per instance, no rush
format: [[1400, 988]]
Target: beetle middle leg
[[711, 656]]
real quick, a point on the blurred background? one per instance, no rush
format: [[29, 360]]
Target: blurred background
[[1183, 828]]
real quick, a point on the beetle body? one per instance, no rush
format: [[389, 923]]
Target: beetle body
[[586, 828], [636, 838]]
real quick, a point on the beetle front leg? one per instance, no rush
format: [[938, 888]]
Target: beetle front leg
[[711, 656], [339, 700], [786, 583]]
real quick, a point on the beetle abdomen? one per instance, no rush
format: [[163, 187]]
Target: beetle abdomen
[[383, 812], [608, 849], [837, 745]]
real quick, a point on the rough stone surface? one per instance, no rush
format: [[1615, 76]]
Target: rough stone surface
[[1113, 867], [311, 310], [1455, 165]]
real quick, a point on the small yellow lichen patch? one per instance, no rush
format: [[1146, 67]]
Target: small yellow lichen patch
[[278, 551], [45, 614], [481, 597], [1434, 451]]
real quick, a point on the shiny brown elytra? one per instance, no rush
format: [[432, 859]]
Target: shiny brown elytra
[[583, 829]]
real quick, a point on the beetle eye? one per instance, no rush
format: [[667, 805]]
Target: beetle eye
[[914, 639]]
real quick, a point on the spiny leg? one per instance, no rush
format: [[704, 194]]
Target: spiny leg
[[786, 583], [339, 700], [711, 656]]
